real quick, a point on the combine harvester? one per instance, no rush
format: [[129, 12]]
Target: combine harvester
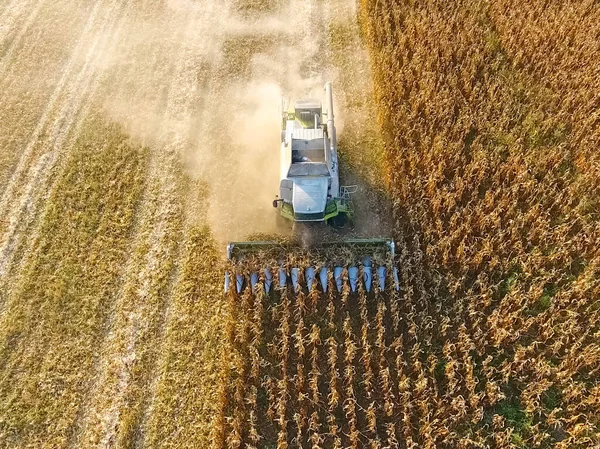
[[310, 194]]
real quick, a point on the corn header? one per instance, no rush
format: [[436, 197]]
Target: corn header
[[351, 261]]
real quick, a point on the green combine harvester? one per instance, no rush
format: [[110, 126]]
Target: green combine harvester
[[310, 193]]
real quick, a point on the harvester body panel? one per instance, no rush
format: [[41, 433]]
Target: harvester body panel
[[310, 198], [309, 188]]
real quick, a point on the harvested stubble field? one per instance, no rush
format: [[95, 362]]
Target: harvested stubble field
[[123, 161]]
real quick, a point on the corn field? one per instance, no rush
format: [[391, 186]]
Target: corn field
[[137, 136], [490, 120], [489, 114], [314, 368]]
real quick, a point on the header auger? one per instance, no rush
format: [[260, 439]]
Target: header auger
[[279, 264], [310, 191]]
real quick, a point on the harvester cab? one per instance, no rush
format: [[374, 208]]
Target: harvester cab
[[309, 188], [310, 191]]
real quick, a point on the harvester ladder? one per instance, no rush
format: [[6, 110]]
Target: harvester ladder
[[346, 196]]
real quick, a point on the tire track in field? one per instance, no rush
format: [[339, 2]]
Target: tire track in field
[[10, 15], [89, 417], [32, 76], [65, 129], [187, 88], [82, 89], [11, 10], [9, 21], [23, 211], [74, 91], [23, 165], [132, 319], [19, 43], [51, 164], [84, 434], [175, 140]]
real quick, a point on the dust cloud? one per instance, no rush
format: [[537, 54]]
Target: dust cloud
[[214, 91]]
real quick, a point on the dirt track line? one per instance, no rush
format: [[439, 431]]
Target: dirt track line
[[180, 100], [161, 164], [24, 209], [11, 14], [37, 132], [88, 410], [84, 87], [4, 61]]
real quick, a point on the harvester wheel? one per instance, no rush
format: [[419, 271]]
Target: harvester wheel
[[339, 221]]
